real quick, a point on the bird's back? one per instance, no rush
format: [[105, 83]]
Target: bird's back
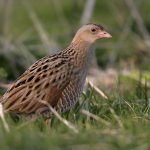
[[49, 79]]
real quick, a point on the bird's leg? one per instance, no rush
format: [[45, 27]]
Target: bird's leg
[[48, 122], [44, 111], [31, 118]]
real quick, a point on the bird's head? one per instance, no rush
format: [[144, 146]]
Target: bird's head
[[91, 32]]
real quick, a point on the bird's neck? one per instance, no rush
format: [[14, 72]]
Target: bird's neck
[[80, 52]]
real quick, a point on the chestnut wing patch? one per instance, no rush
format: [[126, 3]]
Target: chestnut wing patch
[[44, 82]]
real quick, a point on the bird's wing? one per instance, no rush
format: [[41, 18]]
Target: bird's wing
[[43, 81]]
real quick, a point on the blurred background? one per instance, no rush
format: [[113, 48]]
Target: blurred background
[[31, 29]]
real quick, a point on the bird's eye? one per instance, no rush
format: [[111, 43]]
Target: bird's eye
[[93, 30]]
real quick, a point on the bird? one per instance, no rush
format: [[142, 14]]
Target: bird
[[57, 79]]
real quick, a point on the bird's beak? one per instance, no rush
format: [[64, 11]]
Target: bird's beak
[[104, 34]]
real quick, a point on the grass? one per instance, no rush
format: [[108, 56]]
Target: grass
[[122, 123]]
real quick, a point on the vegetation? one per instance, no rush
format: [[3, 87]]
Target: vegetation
[[30, 30]]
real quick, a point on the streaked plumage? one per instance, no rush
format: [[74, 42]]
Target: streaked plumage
[[57, 79]]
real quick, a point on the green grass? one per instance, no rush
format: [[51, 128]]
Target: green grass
[[123, 123]]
